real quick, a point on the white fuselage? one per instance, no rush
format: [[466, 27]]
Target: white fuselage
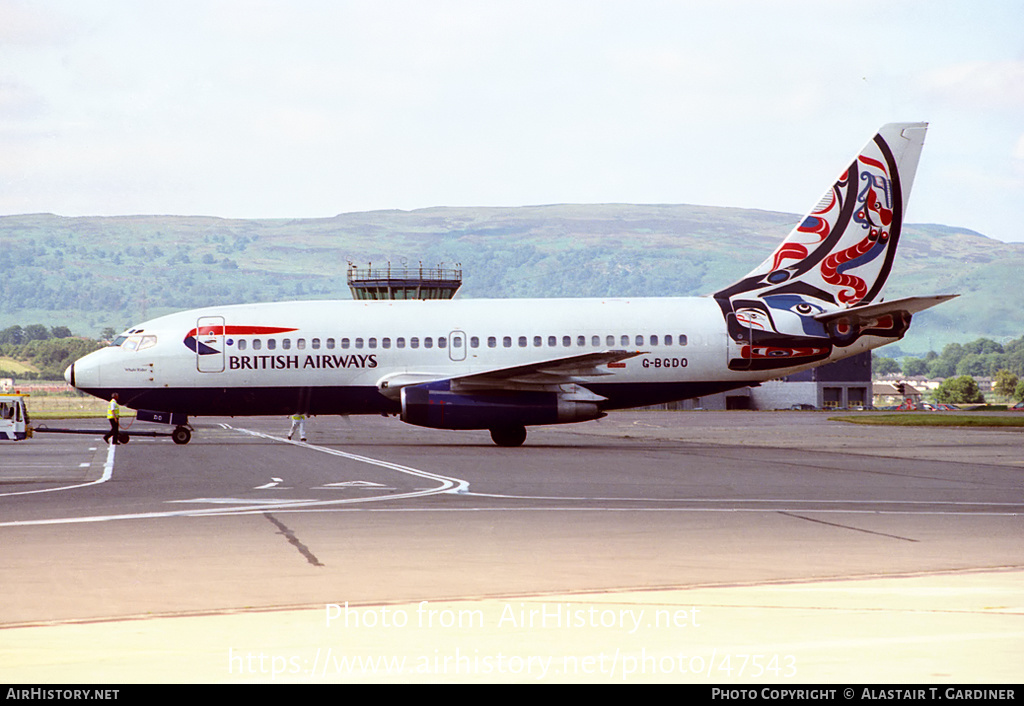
[[325, 357]]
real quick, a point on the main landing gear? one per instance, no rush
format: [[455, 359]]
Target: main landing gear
[[509, 436]]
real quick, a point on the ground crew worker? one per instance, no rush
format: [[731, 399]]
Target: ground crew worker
[[113, 416], [298, 422]]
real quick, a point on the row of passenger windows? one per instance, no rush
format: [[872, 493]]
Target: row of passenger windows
[[458, 341]]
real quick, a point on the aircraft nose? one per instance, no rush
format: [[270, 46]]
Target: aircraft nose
[[84, 373]]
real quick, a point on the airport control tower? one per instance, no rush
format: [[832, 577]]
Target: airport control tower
[[404, 282]]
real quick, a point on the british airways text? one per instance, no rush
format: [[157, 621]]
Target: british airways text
[[298, 362]]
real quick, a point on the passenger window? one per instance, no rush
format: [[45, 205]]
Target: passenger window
[[566, 341], [538, 341], [257, 344], [522, 341], [400, 342], [301, 344], [654, 340], [286, 343], [414, 342], [506, 341], [385, 342], [552, 341], [359, 343], [428, 342], [442, 342], [609, 341], [639, 340], [345, 343], [595, 341], [625, 340], [668, 339], [316, 344], [491, 341], [271, 344], [372, 343], [474, 342], [682, 340], [330, 344], [241, 344]]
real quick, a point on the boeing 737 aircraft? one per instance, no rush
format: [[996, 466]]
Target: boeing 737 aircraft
[[507, 364]]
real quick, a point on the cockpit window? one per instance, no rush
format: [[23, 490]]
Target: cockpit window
[[134, 343]]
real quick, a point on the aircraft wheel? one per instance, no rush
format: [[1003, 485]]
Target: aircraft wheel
[[181, 435], [509, 436], [123, 438]]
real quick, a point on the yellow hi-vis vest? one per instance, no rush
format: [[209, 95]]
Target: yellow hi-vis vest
[[113, 411]]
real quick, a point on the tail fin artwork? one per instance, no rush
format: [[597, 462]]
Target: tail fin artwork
[[790, 310]]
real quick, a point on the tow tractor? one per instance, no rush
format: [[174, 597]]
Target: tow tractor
[[14, 421], [15, 424]]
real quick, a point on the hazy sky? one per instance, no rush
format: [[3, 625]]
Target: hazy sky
[[310, 108]]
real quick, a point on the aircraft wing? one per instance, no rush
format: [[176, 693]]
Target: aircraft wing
[[557, 371], [540, 375], [910, 305]]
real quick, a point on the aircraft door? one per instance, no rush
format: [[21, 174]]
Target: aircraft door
[[457, 345], [210, 344], [738, 342]]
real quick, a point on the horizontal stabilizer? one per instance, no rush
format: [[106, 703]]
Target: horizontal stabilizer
[[910, 305]]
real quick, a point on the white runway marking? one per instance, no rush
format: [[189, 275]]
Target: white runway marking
[[274, 502], [447, 485], [108, 472], [274, 482]]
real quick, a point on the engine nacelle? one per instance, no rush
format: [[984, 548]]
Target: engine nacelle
[[435, 406]]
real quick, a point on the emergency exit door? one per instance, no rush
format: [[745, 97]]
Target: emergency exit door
[[457, 345]]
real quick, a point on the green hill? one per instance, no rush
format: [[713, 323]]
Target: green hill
[[91, 273]]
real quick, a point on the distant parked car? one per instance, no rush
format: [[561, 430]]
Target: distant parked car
[[1019, 407]]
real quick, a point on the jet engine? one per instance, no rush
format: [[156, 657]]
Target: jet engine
[[436, 406]]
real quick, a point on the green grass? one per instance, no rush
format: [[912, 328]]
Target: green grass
[[13, 366], [909, 419]]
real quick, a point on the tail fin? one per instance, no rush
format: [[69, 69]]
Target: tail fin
[[842, 252]]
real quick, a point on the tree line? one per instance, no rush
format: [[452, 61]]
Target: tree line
[[960, 364], [980, 358], [48, 350]]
